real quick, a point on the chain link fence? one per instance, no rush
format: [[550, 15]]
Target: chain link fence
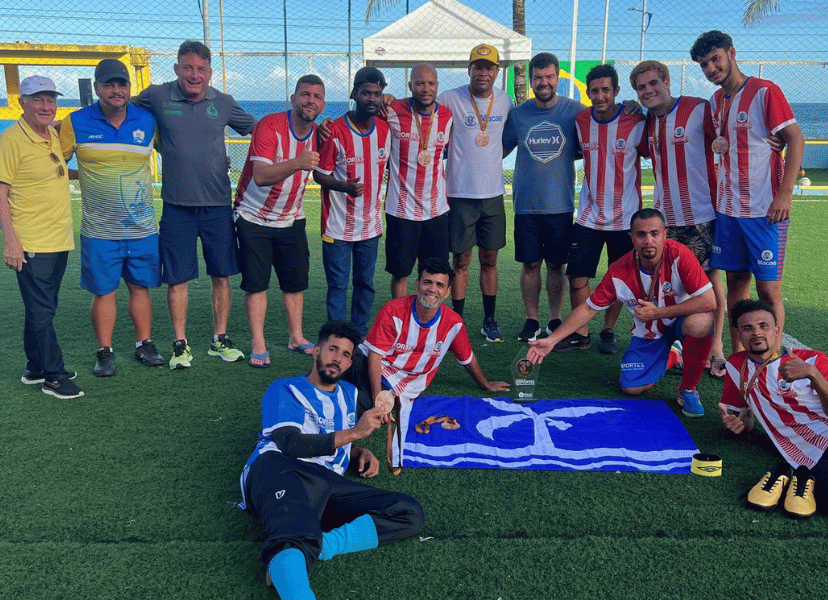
[[261, 49]]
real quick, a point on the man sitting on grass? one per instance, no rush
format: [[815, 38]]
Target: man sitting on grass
[[409, 339], [670, 297], [293, 481], [787, 390]]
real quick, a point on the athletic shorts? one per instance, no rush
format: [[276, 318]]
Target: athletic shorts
[[477, 222], [585, 245], [645, 361], [699, 238], [542, 237], [406, 241], [105, 262], [284, 249], [179, 228], [750, 244]]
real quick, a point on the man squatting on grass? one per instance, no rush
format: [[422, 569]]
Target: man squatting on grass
[[787, 391], [409, 339], [294, 480], [663, 285]]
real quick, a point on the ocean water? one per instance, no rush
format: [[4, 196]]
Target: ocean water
[[812, 118]]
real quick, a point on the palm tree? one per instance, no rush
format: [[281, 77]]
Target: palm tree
[[757, 10], [374, 7]]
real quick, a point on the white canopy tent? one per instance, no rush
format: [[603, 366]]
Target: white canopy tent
[[442, 32]]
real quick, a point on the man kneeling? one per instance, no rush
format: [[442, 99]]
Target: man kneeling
[[293, 481], [663, 285]]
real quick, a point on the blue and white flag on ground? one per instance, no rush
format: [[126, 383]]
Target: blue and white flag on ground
[[572, 434]]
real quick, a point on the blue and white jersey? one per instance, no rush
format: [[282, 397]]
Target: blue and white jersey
[[295, 402]]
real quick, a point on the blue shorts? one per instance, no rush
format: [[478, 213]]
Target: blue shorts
[[104, 262], [179, 228], [750, 244], [645, 361]]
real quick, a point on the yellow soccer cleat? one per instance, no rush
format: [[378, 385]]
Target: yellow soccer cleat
[[799, 501], [766, 494]]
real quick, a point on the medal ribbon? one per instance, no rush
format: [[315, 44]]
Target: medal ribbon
[[724, 110], [416, 115], [653, 293], [483, 122], [745, 390]]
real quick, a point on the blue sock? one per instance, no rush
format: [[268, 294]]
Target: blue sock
[[359, 534], [289, 574]]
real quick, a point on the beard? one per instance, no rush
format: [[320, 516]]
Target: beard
[[324, 376]]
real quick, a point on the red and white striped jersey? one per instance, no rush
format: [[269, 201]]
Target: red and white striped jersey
[[412, 350], [679, 278], [611, 192], [791, 413], [273, 141], [416, 192], [348, 154], [685, 176], [750, 173]]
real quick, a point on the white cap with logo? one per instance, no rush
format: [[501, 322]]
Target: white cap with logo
[[36, 84]]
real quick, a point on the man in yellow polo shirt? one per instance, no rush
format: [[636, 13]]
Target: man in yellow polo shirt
[[36, 218]]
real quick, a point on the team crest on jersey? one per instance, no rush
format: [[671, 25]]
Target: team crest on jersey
[[440, 136], [138, 136], [742, 121], [784, 386], [351, 419], [620, 147], [667, 287], [381, 152], [470, 120], [212, 111], [679, 135]]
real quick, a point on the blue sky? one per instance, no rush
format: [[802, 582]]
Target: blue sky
[[795, 34]]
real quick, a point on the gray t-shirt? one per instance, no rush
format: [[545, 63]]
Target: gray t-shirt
[[192, 143], [547, 143]]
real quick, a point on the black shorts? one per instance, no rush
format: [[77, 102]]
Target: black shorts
[[542, 237], [283, 248], [585, 245], [406, 241], [477, 222]]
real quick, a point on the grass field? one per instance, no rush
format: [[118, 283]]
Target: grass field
[[130, 491]]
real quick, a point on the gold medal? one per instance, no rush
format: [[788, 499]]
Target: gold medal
[[424, 158], [719, 145], [482, 138]]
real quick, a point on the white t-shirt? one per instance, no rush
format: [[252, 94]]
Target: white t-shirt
[[474, 171]]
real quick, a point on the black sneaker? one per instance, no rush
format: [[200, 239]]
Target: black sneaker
[[62, 388], [147, 354], [33, 377], [530, 331], [552, 326], [105, 365], [608, 345], [573, 341]]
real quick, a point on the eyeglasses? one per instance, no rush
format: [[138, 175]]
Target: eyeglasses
[[56, 158]]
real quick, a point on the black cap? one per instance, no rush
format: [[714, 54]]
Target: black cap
[[109, 69], [369, 75]]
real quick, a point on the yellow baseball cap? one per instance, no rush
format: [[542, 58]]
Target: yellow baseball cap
[[484, 52]]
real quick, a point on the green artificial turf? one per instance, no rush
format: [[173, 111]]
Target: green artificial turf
[[130, 491]]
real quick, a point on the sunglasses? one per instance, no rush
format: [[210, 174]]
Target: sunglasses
[[56, 158]]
